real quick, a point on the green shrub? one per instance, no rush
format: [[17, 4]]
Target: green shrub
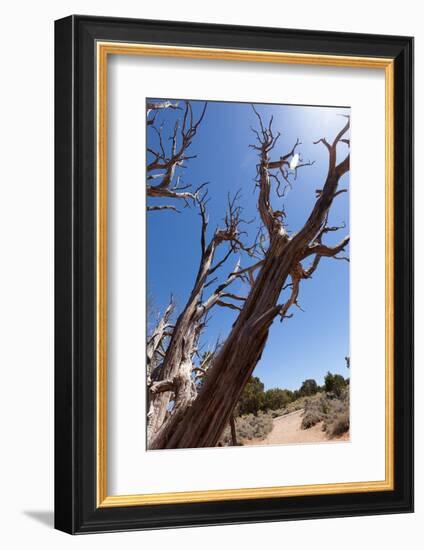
[[252, 397], [276, 398], [308, 387], [334, 384]]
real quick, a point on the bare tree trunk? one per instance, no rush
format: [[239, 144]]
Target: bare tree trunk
[[155, 343], [176, 373], [233, 431], [206, 419]]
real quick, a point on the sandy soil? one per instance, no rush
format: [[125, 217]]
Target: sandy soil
[[287, 429]]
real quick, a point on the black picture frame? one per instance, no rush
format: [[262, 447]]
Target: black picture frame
[[76, 510]]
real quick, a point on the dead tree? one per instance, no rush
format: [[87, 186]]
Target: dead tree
[[199, 420], [163, 162], [176, 379], [155, 107], [157, 342]]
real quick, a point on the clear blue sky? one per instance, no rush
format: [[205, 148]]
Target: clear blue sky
[[312, 342]]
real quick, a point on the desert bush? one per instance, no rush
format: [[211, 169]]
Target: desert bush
[[326, 408], [249, 427], [299, 403], [310, 418], [315, 411], [338, 425], [277, 412], [254, 427]]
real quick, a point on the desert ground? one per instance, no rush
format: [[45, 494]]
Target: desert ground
[[287, 430]]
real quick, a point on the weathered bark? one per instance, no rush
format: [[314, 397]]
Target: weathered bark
[[178, 366], [202, 421], [155, 342], [155, 353], [206, 419]]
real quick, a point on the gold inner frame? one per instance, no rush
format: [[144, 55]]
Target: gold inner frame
[[103, 50]]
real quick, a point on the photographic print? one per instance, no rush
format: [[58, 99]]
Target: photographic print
[[209, 300], [247, 274]]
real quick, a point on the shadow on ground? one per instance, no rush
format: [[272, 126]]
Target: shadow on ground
[[46, 517]]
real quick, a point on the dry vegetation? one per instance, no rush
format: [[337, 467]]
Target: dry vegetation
[[249, 427], [331, 410]]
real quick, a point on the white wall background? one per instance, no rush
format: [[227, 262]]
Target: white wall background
[[26, 276]]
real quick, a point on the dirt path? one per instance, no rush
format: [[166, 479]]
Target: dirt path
[[287, 429]]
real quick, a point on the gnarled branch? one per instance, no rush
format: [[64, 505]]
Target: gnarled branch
[[161, 386], [163, 165], [325, 250], [286, 166], [162, 207], [329, 191]]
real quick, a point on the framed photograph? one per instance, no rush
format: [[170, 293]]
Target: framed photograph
[[234, 271]]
